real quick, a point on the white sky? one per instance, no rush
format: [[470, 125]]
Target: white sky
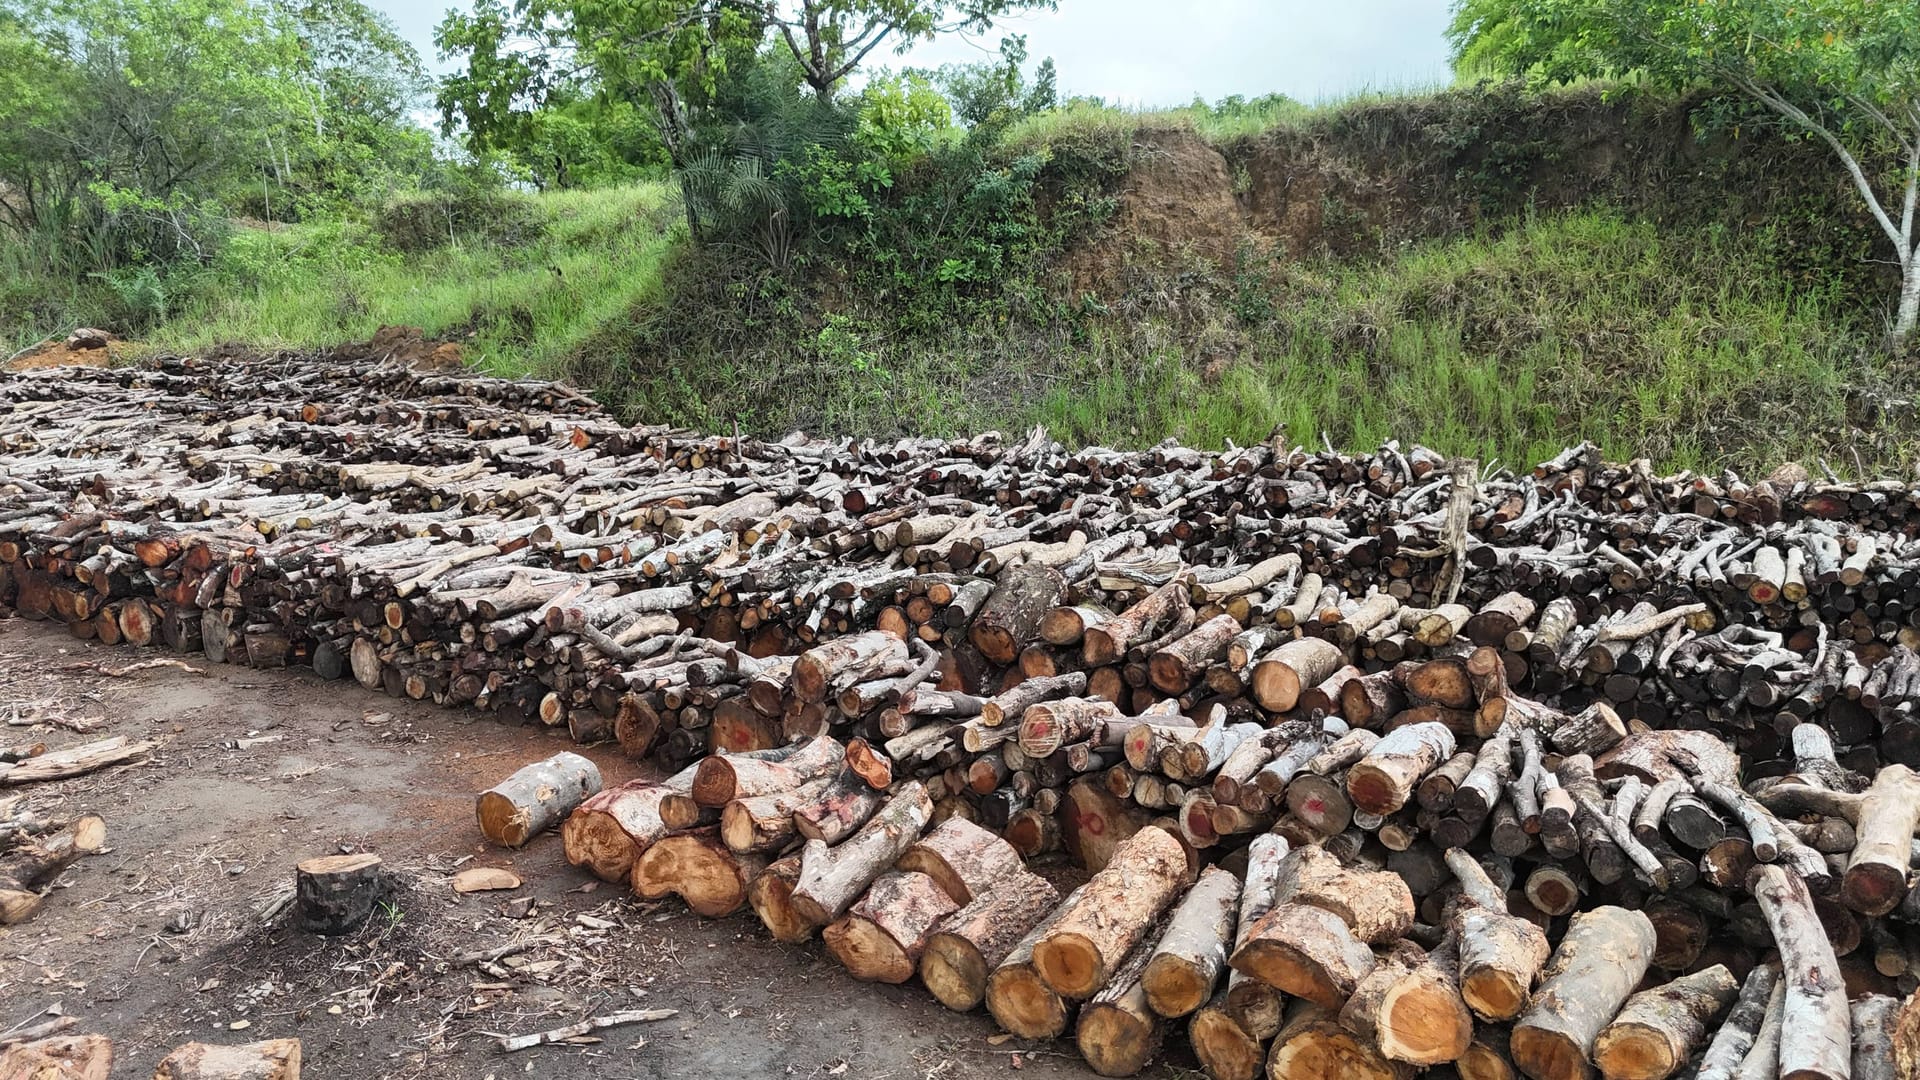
[[1163, 52]]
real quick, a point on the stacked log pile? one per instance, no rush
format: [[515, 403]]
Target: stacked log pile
[[1378, 763]]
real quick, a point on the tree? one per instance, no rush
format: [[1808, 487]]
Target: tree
[[1843, 72]]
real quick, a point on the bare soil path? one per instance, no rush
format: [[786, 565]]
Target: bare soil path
[[157, 942]]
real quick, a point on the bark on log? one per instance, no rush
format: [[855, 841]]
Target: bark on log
[[1601, 959], [1107, 643], [1500, 954], [770, 894], [1422, 1019], [1175, 668], [336, 894], [1376, 904], [1111, 913], [1011, 618], [722, 778], [1313, 1046], [1305, 951], [1736, 1034], [965, 860], [971, 943], [608, 831], [1384, 780], [536, 798], [1180, 976], [1279, 677], [882, 937], [1815, 1004], [1657, 1031], [63, 1057], [838, 811], [852, 659], [831, 879]]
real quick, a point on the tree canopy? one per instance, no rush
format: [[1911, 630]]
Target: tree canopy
[[1845, 72]]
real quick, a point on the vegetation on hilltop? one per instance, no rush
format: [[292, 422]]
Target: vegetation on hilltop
[[715, 226]]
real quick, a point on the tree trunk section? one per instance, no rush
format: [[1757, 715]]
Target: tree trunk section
[[1657, 1031], [1117, 1031], [336, 894], [1112, 912], [831, 879], [1011, 618], [965, 860], [1180, 975], [969, 944], [536, 798], [1601, 959], [882, 937]]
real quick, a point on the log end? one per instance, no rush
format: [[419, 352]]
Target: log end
[[1873, 889], [1628, 1050], [1224, 1048], [1115, 1042], [1070, 965], [1175, 986], [953, 970], [501, 821], [1548, 1055], [1024, 1006], [867, 952], [1494, 995]]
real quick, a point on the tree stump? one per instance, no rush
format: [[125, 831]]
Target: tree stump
[[335, 894]]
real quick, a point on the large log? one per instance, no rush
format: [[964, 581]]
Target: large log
[[1305, 951], [1313, 1046], [609, 830], [722, 778], [1278, 678], [1019, 999], [1500, 954], [1108, 642], [699, 867], [536, 798], [1111, 913], [970, 944], [1180, 975], [832, 878], [1601, 959], [849, 660], [770, 894], [881, 939], [1377, 905]]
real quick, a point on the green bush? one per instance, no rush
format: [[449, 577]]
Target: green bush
[[424, 220]]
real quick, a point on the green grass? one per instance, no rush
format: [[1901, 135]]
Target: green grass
[[515, 309], [1578, 326]]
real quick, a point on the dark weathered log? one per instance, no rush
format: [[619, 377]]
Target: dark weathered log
[[336, 894], [1108, 642]]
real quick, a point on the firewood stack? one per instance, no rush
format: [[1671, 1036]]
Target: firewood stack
[[1365, 752]]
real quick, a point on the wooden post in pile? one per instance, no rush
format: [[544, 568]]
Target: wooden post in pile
[[335, 894], [1601, 959], [272, 1059], [1111, 913], [536, 798]]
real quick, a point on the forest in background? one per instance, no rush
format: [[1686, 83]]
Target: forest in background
[[719, 212]]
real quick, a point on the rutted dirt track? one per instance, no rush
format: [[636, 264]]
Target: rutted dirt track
[[156, 942]]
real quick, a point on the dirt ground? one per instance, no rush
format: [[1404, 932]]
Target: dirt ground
[[156, 941]]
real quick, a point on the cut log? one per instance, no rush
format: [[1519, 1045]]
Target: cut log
[[869, 764], [1384, 780], [965, 860], [722, 778], [1601, 959], [831, 879], [1010, 705], [970, 944], [336, 894], [1107, 643], [1313, 1046], [1177, 666], [1422, 1019], [838, 810], [1019, 999], [1500, 954], [28, 868], [1187, 962], [764, 823], [1873, 1038], [1304, 951], [1814, 1009], [1111, 913], [1254, 1005], [1011, 617], [1117, 1032], [1046, 726], [536, 798], [1375, 904], [1736, 1034], [770, 894], [273, 1059], [1226, 1048], [1280, 676], [63, 1057], [852, 659], [1657, 1031], [699, 867], [610, 830], [882, 937]]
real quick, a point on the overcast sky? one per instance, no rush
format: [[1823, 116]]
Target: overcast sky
[[1163, 52]]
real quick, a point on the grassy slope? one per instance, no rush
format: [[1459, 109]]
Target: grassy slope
[[516, 309]]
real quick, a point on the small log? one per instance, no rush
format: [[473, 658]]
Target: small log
[[272, 1059], [965, 860], [1304, 951], [1736, 1034], [1313, 1046], [1601, 959], [831, 879], [764, 823], [1117, 1032], [1279, 677], [1657, 1031], [869, 764], [970, 944], [1112, 912], [336, 894], [838, 810], [1108, 643], [1421, 1018], [722, 778], [1500, 954], [1592, 731], [1187, 962], [1010, 620], [1255, 1006], [851, 659], [1873, 1038], [1384, 780], [1226, 1048], [536, 798], [1176, 667], [882, 937]]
